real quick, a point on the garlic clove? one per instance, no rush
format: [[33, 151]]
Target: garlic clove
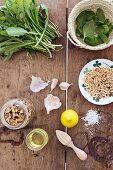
[[51, 103], [54, 84], [37, 84], [64, 85]]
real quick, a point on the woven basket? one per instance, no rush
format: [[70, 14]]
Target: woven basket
[[105, 5]]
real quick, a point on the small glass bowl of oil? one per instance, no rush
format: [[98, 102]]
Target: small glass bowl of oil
[[36, 139]]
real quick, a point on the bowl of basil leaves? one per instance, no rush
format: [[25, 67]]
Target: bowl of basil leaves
[[90, 24]]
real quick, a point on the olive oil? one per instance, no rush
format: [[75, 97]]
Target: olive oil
[[36, 139]]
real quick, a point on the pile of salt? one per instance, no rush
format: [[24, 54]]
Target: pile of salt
[[92, 117]]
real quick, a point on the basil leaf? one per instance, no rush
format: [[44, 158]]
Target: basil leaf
[[90, 15], [81, 19], [106, 29], [89, 29], [104, 38], [107, 22], [99, 30], [100, 15], [93, 41], [16, 31], [93, 28], [110, 29], [97, 22], [84, 16], [100, 41]]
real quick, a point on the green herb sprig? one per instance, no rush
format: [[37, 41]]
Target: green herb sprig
[[25, 25], [93, 27]]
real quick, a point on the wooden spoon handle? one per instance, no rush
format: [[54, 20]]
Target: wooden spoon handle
[[80, 153]]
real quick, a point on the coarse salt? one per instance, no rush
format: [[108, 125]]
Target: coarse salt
[[92, 117]]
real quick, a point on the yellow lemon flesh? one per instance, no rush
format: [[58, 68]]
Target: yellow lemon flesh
[[69, 118]]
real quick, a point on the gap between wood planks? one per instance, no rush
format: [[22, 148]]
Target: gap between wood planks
[[66, 97]]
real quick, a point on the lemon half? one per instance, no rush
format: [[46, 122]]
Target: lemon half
[[69, 118]]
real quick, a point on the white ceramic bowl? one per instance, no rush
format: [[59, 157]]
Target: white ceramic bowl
[[90, 66]]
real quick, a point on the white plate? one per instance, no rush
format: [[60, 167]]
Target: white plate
[[92, 65]]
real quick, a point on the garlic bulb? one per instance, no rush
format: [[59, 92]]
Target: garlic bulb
[[37, 84], [64, 86], [51, 103], [53, 84]]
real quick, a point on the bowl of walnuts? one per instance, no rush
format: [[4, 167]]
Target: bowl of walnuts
[[16, 113]]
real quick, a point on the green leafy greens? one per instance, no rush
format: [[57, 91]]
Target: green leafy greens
[[93, 28], [25, 25]]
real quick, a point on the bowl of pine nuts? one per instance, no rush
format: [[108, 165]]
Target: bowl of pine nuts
[[16, 113], [96, 81]]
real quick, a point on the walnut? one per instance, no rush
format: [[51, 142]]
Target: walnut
[[14, 115]]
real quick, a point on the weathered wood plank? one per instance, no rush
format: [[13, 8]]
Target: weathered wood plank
[[14, 82], [77, 59]]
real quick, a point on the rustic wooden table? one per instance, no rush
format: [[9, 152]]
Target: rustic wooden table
[[15, 78], [81, 136]]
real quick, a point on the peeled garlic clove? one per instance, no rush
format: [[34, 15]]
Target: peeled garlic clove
[[37, 84], [64, 86], [53, 84], [51, 103]]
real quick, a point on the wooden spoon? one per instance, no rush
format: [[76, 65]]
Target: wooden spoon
[[66, 140]]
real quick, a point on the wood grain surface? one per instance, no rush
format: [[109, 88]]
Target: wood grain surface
[[80, 135], [15, 78]]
